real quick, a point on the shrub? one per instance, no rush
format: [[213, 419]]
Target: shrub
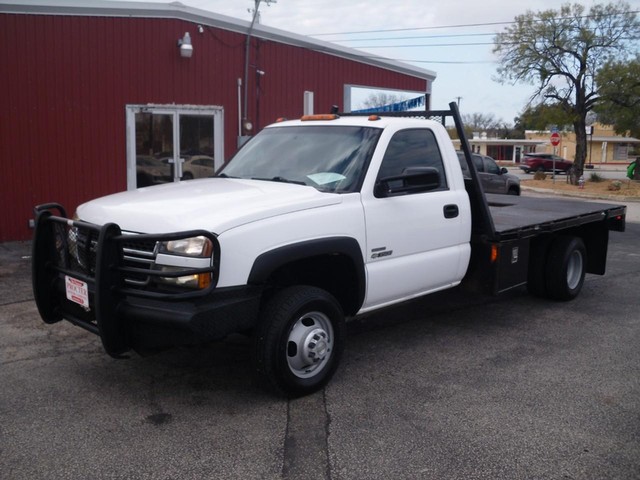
[[595, 178], [539, 176], [615, 185]]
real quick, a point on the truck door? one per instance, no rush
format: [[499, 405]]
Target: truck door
[[416, 242]]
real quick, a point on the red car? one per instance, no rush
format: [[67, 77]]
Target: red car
[[543, 162]]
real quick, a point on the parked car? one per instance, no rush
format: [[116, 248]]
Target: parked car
[[198, 166], [493, 178], [543, 162], [151, 171]]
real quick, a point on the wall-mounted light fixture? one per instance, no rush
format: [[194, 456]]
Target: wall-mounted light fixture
[[184, 43]]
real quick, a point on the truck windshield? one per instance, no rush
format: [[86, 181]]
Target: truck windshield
[[329, 158]]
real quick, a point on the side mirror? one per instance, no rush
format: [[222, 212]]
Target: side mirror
[[503, 171], [412, 180]]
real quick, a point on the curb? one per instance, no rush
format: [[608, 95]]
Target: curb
[[579, 195]]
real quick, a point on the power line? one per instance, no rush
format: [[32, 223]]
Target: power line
[[429, 45], [412, 37], [474, 44], [413, 28], [435, 27], [444, 62]]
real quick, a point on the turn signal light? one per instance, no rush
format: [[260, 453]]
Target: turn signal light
[[494, 253]]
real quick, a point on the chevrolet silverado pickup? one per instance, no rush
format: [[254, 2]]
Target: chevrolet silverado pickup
[[312, 222]]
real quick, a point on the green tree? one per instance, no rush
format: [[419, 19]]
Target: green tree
[[619, 87], [561, 52], [543, 116]]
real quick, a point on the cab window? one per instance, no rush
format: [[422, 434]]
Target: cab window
[[412, 148], [491, 167]]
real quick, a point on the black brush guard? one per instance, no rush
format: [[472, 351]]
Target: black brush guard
[[98, 261]]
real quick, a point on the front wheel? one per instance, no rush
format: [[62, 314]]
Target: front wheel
[[299, 340]]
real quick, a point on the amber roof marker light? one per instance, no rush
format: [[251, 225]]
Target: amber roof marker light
[[324, 116]]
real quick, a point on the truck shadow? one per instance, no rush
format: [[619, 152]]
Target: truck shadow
[[205, 372]]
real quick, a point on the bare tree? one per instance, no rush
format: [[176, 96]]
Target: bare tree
[[481, 122], [379, 99], [561, 52]]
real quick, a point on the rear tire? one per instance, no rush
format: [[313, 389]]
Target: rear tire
[[566, 268], [299, 340]]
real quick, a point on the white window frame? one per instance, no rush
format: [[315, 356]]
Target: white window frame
[[175, 110]]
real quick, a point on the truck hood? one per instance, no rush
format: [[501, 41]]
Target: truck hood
[[212, 204]]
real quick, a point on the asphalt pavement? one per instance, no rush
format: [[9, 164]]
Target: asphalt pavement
[[451, 386]]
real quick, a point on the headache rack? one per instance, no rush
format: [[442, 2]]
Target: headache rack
[[482, 226], [111, 264]]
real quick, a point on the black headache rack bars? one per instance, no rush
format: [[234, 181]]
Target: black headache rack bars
[[482, 221], [101, 265]]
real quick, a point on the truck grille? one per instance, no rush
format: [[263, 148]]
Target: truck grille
[[82, 252]]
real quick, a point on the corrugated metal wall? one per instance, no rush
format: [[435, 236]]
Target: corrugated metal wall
[[66, 80]]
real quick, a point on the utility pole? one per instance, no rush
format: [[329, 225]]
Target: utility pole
[[458, 100], [247, 46]]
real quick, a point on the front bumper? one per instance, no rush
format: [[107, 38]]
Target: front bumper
[[124, 314]]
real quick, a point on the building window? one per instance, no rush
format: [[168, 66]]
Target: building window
[[500, 152], [621, 152]]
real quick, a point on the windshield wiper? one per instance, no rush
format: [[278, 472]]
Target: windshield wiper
[[279, 179]]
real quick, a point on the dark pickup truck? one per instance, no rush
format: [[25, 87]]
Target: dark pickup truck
[[493, 178]]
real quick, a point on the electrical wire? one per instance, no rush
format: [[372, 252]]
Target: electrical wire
[[467, 25]]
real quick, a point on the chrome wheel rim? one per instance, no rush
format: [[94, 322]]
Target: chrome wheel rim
[[309, 344], [574, 269]]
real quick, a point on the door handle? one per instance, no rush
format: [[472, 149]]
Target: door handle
[[451, 211]]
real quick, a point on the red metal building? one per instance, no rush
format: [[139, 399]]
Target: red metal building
[[97, 97]]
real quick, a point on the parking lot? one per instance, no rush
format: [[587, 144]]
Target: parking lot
[[447, 387]]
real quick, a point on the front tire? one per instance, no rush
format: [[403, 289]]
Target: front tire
[[299, 340]]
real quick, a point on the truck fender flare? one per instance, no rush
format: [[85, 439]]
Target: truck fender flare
[[268, 262]]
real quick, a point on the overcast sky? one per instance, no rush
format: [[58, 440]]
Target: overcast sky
[[453, 38]]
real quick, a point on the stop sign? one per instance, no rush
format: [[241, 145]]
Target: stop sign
[[555, 139]]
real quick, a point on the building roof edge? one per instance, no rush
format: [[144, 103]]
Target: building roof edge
[[180, 11]]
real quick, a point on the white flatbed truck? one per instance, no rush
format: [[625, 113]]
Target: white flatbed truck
[[312, 222]]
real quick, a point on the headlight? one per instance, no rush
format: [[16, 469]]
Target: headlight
[[185, 254], [193, 247]]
